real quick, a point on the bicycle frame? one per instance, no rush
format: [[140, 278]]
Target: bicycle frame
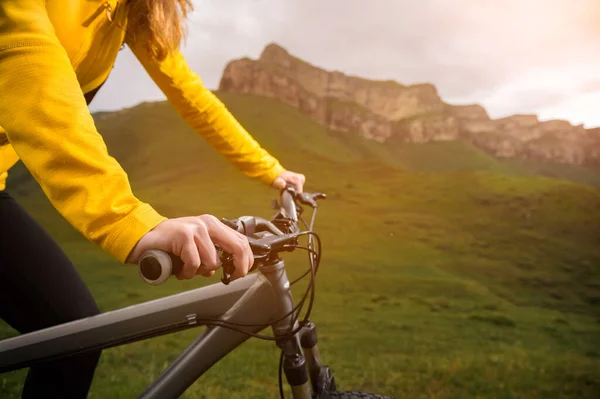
[[259, 299]]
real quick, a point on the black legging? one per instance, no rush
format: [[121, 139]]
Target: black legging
[[39, 288]]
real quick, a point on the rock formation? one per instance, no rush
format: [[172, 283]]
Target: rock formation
[[387, 110]]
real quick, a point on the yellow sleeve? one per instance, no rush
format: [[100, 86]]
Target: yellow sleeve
[[8, 157], [50, 127], [208, 116]]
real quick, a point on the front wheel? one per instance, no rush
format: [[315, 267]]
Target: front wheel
[[352, 395]]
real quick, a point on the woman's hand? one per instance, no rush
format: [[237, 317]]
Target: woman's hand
[[193, 239], [295, 179]]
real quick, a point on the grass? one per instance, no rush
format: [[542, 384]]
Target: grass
[[444, 274], [585, 174]]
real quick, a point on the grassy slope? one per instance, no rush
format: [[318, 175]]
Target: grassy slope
[[577, 173], [467, 283]]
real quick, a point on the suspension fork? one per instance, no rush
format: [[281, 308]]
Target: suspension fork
[[294, 363], [302, 361], [308, 340]]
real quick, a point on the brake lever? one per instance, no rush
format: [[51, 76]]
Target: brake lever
[[310, 199], [228, 268], [307, 199], [227, 260], [231, 224], [319, 196]]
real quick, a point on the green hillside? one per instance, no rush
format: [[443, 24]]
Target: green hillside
[[446, 273], [576, 173], [137, 134]]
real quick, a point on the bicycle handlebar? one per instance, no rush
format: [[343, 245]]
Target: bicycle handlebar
[[288, 205], [264, 237], [157, 266]]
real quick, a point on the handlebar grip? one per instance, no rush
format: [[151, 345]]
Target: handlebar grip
[[288, 204], [157, 266]]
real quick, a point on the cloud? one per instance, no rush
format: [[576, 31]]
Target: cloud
[[581, 109], [591, 86], [487, 52]]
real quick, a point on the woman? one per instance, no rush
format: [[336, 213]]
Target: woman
[[54, 55]]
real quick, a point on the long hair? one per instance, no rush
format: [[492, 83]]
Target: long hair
[[157, 24]]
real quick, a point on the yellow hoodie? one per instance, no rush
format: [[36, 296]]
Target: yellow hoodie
[[53, 51]]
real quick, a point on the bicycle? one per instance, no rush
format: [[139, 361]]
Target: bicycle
[[233, 311]]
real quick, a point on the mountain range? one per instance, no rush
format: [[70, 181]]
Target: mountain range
[[386, 111]]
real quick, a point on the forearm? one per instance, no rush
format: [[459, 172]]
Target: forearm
[[227, 136], [49, 125], [209, 117]]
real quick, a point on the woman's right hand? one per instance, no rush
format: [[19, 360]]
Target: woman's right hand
[[193, 239]]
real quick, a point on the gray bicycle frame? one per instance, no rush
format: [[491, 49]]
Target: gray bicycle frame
[[259, 299]]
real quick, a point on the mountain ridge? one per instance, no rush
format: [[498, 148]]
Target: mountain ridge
[[385, 110]]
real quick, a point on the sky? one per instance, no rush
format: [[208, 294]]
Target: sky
[[511, 56]]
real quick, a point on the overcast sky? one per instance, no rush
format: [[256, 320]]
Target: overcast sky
[[512, 56]]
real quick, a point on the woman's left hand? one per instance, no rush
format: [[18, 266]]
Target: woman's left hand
[[295, 179]]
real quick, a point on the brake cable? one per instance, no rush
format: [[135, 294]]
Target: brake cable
[[297, 308], [314, 255]]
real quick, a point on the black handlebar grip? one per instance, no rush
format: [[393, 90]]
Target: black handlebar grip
[[157, 266], [288, 204]]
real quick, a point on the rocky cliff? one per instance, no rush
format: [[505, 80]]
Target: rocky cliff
[[387, 110]]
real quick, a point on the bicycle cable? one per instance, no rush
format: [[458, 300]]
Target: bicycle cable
[[309, 291], [210, 321], [313, 270], [314, 255], [314, 266]]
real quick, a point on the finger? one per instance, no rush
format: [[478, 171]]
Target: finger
[[248, 255], [279, 183], [203, 272], [228, 229], [247, 249], [235, 245], [191, 259], [299, 179], [239, 235], [206, 248], [294, 182]]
